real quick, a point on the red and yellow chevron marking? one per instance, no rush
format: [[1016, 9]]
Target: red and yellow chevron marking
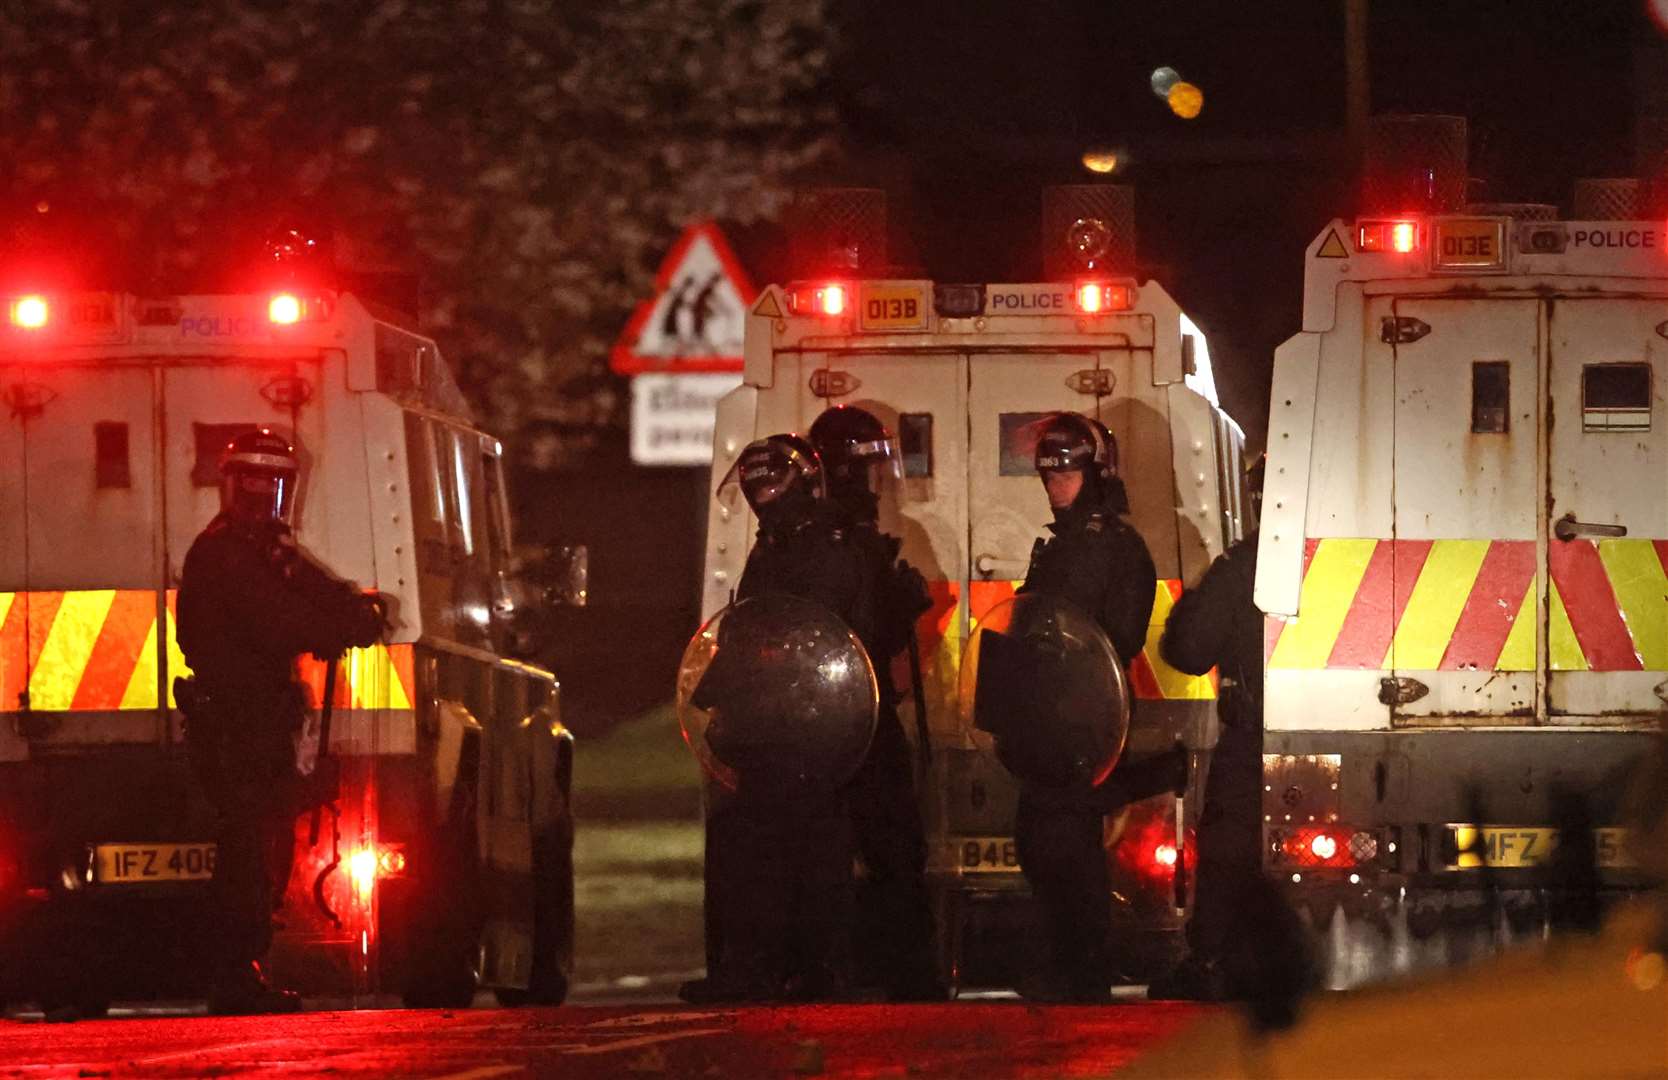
[[1469, 605], [97, 650], [1150, 677]]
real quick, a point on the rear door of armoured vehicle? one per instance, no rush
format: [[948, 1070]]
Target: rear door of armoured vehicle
[[1607, 511]]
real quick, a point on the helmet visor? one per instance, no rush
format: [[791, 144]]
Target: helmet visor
[[256, 494], [879, 458], [753, 482]]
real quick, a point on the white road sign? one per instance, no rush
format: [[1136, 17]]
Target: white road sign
[[672, 416]]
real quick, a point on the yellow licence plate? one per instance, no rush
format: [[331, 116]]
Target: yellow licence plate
[[893, 307], [982, 854], [1511, 847], [143, 864], [1470, 244]]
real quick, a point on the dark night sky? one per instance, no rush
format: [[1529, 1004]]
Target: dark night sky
[[963, 111]]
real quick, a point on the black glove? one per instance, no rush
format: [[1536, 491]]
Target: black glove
[[369, 621], [910, 595]]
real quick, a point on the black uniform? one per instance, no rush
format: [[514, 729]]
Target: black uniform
[[1216, 624], [1098, 562], [894, 940], [249, 605], [778, 872]]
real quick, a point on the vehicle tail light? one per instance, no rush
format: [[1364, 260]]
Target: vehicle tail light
[[829, 299], [391, 860], [30, 312], [362, 868], [1145, 856], [1398, 236], [1333, 847], [370, 863], [1098, 297]]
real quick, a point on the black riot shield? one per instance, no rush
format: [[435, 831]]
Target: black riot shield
[[777, 698], [1042, 678]]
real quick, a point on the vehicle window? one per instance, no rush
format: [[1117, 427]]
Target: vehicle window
[[467, 491], [1017, 436], [435, 479], [497, 512], [1616, 397], [915, 441], [1491, 393], [110, 464]]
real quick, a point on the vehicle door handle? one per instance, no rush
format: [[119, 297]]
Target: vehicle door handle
[[990, 566], [1567, 528]]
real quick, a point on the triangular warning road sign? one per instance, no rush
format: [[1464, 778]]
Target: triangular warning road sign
[[767, 306], [695, 319], [1332, 247]]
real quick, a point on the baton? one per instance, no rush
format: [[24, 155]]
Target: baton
[[318, 810], [324, 743], [923, 757]]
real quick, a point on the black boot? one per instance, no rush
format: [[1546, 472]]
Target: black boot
[[243, 991]]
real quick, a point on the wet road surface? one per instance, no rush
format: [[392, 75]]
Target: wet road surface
[[577, 1042]]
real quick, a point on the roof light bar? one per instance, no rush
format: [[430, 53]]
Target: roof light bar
[[287, 309], [30, 312], [1101, 297], [1400, 236], [829, 299], [284, 309]]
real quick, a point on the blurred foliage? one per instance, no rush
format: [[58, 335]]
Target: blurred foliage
[[529, 160]]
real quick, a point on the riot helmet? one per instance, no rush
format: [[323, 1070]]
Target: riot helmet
[[856, 450], [1072, 442], [258, 476], [775, 474]]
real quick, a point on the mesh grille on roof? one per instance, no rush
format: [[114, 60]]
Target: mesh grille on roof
[[1518, 211], [1607, 199], [1063, 205], [838, 231], [1414, 162]]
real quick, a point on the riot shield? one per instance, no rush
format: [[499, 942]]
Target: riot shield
[[1041, 677], [777, 698]]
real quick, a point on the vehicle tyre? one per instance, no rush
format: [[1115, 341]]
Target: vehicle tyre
[[445, 962], [82, 1005], [552, 919]]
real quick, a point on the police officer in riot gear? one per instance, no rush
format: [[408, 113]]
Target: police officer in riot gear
[[895, 924], [1216, 624], [778, 864], [1098, 562], [249, 604]]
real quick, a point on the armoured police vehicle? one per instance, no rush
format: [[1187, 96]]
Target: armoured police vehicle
[[1462, 552], [447, 862], [962, 374]]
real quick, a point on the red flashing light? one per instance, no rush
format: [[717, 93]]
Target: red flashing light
[[284, 309], [1165, 855], [30, 312], [1098, 297], [1400, 236], [829, 299]]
